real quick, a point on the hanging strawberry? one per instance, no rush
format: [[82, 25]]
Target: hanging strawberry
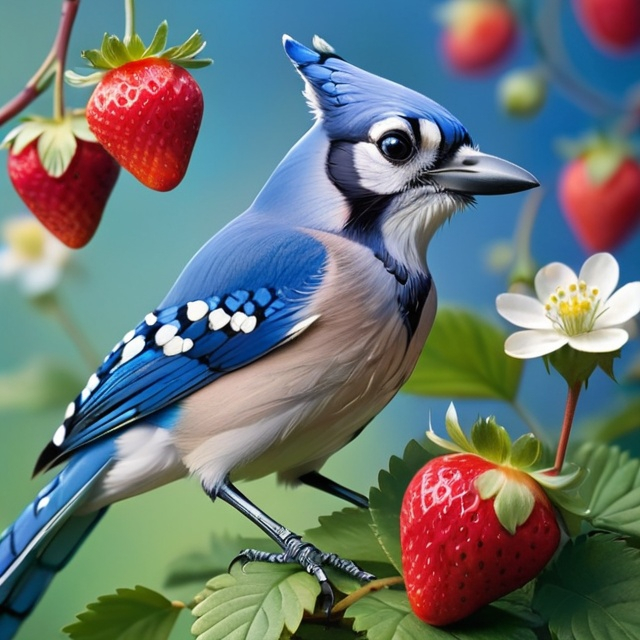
[[62, 174], [476, 524], [146, 109]]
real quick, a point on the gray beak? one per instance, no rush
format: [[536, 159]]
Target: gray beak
[[480, 174]]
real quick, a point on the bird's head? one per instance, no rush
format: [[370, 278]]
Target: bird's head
[[401, 161]]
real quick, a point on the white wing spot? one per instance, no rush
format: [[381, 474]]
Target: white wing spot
[[237, 319], [218, 318], [132, 349], [150, 319], [84, 395], [173, 347], [42, 503], [165, 334], [71, 409], [128, 337], [249, 324], [93, 383], [59, 435], [301, 326], [197, 310], [187, 344]]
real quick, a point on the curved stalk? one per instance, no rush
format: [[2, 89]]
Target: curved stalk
[[130, 20]]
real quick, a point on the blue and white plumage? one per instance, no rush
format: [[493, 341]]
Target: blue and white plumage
[[283, 337]]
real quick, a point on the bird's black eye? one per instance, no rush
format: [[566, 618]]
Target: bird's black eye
[[396, 146]]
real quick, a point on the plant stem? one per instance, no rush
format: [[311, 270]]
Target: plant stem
[[129, 20], [69, 11], [569, 412], [374, 585], [40, 80]]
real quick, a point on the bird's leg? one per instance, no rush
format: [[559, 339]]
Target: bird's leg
[[318, 481], [309, 557]]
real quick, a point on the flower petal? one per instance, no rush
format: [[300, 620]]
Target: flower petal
[[523, 311], [533, 344], [601, 270], [623, 305], [549, 278], [600, 341]]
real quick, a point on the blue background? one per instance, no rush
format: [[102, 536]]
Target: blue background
[[254, 113]]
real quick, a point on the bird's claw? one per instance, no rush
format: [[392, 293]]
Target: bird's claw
[[311, 559]]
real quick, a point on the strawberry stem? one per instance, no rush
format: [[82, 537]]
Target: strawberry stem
[[129, 20], [50, 66], [569, 412]]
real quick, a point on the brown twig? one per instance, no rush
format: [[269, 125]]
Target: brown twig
[[369, 587], [53, 64]]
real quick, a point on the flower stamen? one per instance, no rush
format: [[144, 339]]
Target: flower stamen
[[574, 309]]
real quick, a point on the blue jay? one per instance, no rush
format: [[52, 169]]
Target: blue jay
[[281, 339]]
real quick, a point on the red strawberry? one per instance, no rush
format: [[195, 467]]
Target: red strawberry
[[613, 25], [147, 114], [457, 556], [70, 204], [474, 525], [601, 207], [479, 34]]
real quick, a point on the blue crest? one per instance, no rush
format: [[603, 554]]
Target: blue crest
[[348, 99]]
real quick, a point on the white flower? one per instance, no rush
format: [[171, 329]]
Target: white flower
[[582, 311], [31, 255]]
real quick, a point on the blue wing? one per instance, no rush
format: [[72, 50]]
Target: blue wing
[[243, 295]]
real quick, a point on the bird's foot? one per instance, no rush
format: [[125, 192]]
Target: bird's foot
[[312, 560]]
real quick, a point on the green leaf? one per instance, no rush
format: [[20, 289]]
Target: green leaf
[[591, 590], [56, 147], [386, 615], [41, 384], [385, 501], [202, 566], [618, 421], [129, 614], [135, 47], [611, 488], [159, 41], [256, 602], [464, 357], [349, 534]]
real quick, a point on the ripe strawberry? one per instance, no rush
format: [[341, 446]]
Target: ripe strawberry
[[474, 525], [601, 207], [147, 114], [479, 34], [147, 109], [613, 25], [65, 182], [457, 556]]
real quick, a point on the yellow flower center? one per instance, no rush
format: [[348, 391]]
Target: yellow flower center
[[574, 309], [26, 237]]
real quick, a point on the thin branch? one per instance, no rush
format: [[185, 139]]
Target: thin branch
[[40, 80], [369, 587], [570, 410]]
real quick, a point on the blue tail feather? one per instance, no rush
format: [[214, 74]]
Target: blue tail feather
[[46, 535]]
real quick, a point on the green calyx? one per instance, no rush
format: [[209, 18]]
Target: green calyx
[[577, 366], [57, 139], [115, 52], [514, 497]]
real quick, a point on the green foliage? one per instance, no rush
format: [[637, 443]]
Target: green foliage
[[256, 602], [386, 500], [129, 614], [611, 488], [618, 421], [40, 384], [591, 590], [386, 615], [464, 358]]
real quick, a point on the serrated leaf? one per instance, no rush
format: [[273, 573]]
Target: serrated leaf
[[591, 590], [40, 384], [386, 615], [385, 501], [349, 534], [202, 566], [159, 41], [256, 602], [611, 488], [464, 357], [129, 614]]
